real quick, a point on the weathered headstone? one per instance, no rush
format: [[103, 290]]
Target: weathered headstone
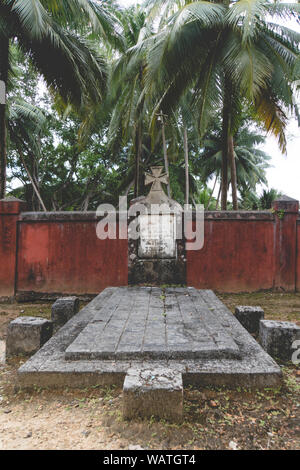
[[157, 393], [26, 335], [277, 338], [249, 317], [158, 256], [63, 309]]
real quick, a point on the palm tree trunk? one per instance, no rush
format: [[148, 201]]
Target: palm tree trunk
[[186, 160], [218, 198], [139, 138], [138, 156], [233, 172], [211, 194], [224, 171], [4, 46], [165, 152]]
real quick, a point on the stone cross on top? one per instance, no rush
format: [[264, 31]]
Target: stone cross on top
[[156, 179]]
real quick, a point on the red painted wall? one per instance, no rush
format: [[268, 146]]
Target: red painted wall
[[298, 258], [238, 255], [59, 253], [9, 214], [68, 257]]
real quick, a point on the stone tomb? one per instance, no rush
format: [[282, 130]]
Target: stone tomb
[[154, 324], [152, 340], [183, 329]]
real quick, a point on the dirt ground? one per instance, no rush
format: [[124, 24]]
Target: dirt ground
[[214, 418]]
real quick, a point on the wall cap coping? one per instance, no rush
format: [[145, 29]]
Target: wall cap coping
[[11, 206], [239, 215], [286, 199], [69, 216], [286, 204], [11, 199], [61, 216]]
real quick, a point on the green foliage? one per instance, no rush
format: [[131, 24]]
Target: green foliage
[[251, 201], [109, 74]]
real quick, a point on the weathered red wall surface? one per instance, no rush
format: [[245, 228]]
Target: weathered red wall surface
[[298, 257], [248, 251], [7, 255], [59, 253], [9, 213], [68, 257], [238, 255]]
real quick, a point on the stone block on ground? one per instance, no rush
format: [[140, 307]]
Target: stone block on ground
[[277, 337], [249, 317], [26, 335], [63, 309], [157, 392]]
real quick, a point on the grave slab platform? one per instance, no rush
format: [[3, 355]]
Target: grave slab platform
[[154, 324], [184, 330]]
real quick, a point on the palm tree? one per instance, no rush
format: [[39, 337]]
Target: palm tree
[[127, 99], [228, 53], [251, 201], [45, 31], [267, 197], [251, 161]]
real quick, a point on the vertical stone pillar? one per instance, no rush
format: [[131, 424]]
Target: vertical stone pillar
[[10, 209], [286, 212]]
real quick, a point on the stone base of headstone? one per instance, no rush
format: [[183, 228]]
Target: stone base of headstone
[[26, 335], [153, 393], [249, 317], [157, 272], [63, 309], [277, 338]]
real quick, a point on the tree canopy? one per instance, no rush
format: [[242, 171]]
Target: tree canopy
[[96, 94]]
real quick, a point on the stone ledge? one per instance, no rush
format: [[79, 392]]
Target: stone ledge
[[237, 215], [63, 216], [69, 216], [27, 296]]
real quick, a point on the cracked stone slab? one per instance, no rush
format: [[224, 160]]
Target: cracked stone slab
[[49, 367], [153, 392], [156, 325]]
